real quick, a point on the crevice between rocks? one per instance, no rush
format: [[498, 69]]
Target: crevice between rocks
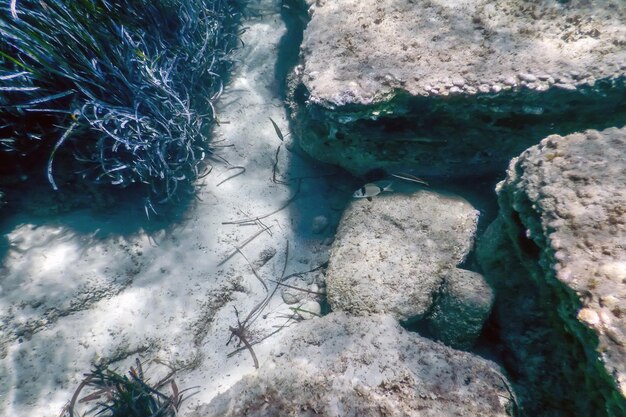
[[450, 135], [550, 356]]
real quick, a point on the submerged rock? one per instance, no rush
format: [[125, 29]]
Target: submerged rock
[[391, 254], [461, 309], [556, 256], [396, 253], [368, 367], [451, 88], [319, 224]]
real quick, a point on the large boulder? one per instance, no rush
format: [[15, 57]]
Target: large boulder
[[556, 256], [391, 254], [340, 365], [454, 87], [398, 253]]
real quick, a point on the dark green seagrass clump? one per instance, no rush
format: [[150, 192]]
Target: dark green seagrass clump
[[106, 393], [116, 92]]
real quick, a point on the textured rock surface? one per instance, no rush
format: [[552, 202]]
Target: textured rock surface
[[563, 218], [446, 85], [444, 46], [391, 255], [365, 366], [461, 309]]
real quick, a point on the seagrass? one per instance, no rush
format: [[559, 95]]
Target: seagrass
[[126, 88]]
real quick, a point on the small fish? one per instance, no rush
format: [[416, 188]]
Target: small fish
[[371, 190]]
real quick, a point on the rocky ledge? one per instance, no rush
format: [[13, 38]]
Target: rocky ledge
[[340, 365], [448, 87], [556, 256]]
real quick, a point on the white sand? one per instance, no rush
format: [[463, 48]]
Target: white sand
[[97, 295]]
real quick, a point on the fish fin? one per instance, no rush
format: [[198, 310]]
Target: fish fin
[[387, 187], [369, 199]]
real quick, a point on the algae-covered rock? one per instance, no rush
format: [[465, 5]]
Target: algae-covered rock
[[556, 256], [392, 254], [462, 307], [340, 365], [454, 88]]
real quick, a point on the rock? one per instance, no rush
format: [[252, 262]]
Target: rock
[[319, 224], [309, 309], [391, 254], [291, 295], [320, 280], [529, 78], [461, 309], [368, 367], [301, 290], [556, 256], [372, 94]]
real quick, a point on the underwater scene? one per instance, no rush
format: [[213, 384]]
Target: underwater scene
[[365, 208]]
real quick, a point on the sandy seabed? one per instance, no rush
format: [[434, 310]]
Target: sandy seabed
[[72, 296]]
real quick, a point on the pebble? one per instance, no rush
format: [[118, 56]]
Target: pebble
[[291, 296], [484, 88], [529, 78], [589, 317], [458, 81], [455, 90], [309, 310], [319, 224], [496, 88], [565, 86], [308, 279], [510, 81], [593, 135]]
